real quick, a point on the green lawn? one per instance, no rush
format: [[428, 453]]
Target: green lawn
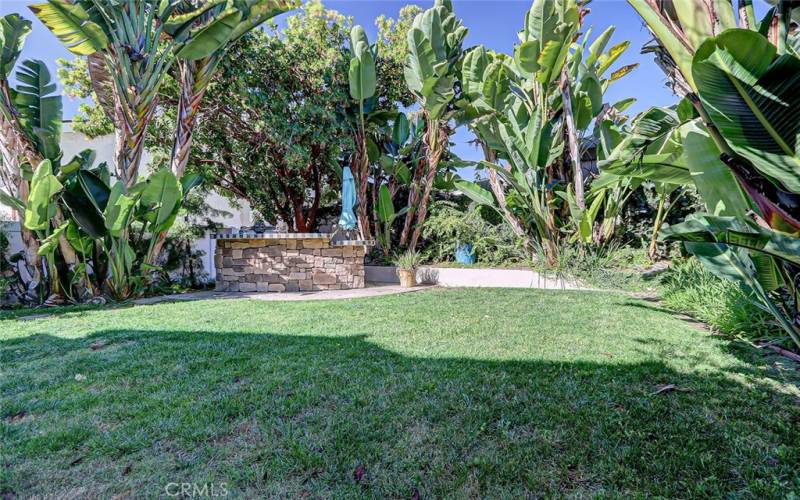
[[448, 392]]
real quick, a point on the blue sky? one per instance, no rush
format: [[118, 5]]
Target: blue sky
[[492, 23]]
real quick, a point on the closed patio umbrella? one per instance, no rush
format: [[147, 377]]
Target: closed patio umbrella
[[348, 219]]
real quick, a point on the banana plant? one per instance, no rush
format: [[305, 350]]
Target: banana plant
[[711, 60], [400, 145], [743, 82], [363, 81], [214, 28], [737, 250], [30, 129], [431, 73], [16, 146], [112, 216], [40, 209], [133, 45], [530, 112], [649, 149]]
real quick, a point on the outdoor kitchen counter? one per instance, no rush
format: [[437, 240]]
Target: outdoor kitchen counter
[[287, 262]]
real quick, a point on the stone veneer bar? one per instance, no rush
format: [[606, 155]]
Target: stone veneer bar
[[288, 262]]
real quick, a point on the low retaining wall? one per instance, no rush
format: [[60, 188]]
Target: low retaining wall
[[287, 263], [473, 277]]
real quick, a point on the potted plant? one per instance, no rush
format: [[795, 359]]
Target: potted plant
[[407, 264]]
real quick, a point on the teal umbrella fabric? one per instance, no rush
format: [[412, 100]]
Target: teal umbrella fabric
[[348, 219]]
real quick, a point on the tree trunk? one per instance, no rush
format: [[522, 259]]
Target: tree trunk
[[360, 167], [191, 95], [500, 194], [131, 115], [413, 199], [652, 250], [128, 148], [572, 139], [437, 144]]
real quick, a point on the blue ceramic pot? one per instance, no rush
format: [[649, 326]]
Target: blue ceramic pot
[[465, 254]]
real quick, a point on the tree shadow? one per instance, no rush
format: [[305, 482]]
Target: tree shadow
[[292, 415]]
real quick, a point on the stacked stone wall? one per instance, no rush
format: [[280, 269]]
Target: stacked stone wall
[[287, 265]]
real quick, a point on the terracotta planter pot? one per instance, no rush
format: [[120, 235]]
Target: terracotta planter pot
[[408, 277]]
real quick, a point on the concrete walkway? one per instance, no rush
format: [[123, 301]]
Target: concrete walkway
[[372, 290]]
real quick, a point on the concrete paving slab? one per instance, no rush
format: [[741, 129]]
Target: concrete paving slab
[[358, 293]]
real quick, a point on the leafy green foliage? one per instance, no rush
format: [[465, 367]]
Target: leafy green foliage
[[13, 32], [515, 106], [450, 225], [40, 206], [752, 95], [90, 120], [73, 25], [434, 49], [39, 109], [688, 287], [408, 260], [290, 83], [362, 75]]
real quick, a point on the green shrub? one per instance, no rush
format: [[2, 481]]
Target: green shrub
[[688, 288], [410, 259], [448, 225], [611, 267], [6, 277]]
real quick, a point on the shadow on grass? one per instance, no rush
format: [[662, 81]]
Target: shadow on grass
[[291, 415]]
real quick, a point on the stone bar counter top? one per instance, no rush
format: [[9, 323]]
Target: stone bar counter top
[[288, 262]]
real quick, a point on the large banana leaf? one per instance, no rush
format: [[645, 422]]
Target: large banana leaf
[[118, 211], [716, 184], [731, 231], [695, 20], [83, 210], [13, 31], [472, 71], [420, 62], [665, 34], [72, 25], [211, 37], [362, 75], [81, 242], [527, 56], [650, 150], [40, 207], [160, 196], [434, 49], [386, 211], [39, 109], [94, 188], [474, 192], [753, 98], [177, 24]]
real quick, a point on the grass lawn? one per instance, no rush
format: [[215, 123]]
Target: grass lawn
[[455, 393]]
